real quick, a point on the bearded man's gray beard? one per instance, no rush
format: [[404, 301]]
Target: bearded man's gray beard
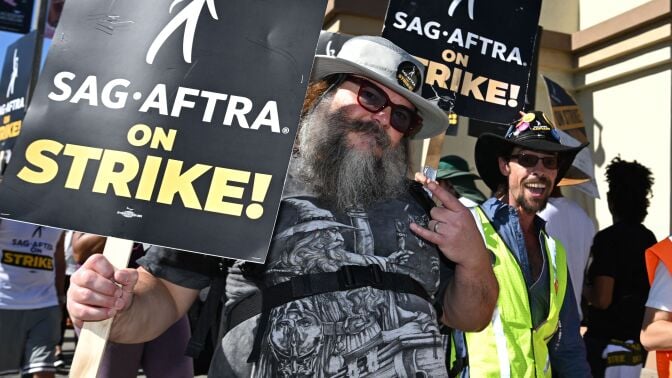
[[344, 176]]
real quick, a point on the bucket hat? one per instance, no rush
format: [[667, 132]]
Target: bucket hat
[[451, 166], [456, 170], [532, 132], [378, 59]]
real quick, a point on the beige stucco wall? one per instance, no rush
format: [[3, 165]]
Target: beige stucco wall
[[632, 119], [560, 15], [593, 12]]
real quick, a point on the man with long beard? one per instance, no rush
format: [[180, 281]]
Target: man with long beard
[[353, 272], [534, 331]]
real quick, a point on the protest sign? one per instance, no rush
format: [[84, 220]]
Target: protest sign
[[330, 43], [478, 53], [567, 117], [169, 124], [17, 72], [15, 15]]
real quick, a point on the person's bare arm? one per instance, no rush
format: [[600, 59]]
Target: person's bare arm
[[471, 296], [601, 293], [84, 245], [656, 330], [145, 306]]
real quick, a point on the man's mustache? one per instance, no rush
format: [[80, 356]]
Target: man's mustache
[[370, 128]]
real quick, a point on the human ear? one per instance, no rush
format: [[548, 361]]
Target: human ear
[[504, 168]]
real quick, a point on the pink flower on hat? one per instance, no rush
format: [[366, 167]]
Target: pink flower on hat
[[520, 127]]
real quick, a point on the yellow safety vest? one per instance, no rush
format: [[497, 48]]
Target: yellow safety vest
[[510, 346]]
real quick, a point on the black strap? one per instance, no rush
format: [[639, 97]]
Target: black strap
[[458, 366], [349, 277], [207, 318]]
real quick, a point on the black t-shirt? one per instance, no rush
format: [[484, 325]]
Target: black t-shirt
[[618, 252]]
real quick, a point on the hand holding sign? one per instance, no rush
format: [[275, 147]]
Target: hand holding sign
[[96, 287], [98, 290]]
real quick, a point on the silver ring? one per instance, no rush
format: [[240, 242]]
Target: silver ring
[[436, 226]]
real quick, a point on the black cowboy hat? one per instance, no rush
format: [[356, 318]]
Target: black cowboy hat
[[532, 132]]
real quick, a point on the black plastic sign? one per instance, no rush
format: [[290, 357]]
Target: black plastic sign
[[15, 15], [17, 73], [169, 123], [478, 54]]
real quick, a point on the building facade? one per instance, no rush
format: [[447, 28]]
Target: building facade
[[616, 60]]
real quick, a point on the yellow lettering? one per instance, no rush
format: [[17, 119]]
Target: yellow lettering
[[471, 85], [150, 173], [48, 168], [438, 74], [145, 135], [7, 258], [80, 158], [496, 93], [14, 129], [220, 188], [165, 140], [28, 260], [119, 180], [175, 182]]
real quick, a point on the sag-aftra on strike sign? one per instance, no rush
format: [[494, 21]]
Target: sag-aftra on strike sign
[[477, 53], [166, 122]]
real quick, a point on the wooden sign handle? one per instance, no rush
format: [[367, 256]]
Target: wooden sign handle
[[93, 336]]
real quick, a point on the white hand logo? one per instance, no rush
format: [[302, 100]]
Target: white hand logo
[[13, 75], [189, 17], [454, 5]]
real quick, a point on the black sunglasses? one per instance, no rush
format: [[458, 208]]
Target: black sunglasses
[[529, 161], [374, 99]]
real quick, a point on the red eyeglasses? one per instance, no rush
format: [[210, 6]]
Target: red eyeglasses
[[529, 161], [374, 99]]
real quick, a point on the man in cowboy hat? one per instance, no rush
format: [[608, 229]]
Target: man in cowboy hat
[[534, 331], [353, 271]]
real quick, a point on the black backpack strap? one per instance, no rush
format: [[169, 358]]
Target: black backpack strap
[[207, 317], [348, 277], [459, 342], [217, 268]]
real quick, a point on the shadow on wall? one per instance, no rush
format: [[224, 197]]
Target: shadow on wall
[[599, 155]]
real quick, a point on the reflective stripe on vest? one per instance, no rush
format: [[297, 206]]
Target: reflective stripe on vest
[[660, 252], [510, 346]]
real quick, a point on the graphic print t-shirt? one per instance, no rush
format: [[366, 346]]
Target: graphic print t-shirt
[[27, 265], [361, 332]]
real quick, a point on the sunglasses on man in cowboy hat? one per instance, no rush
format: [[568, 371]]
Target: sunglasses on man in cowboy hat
[[533, 131]]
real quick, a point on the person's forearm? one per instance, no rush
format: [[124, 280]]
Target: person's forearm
[[84, 245], [470, 298], [657, 335], [152, 311]]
